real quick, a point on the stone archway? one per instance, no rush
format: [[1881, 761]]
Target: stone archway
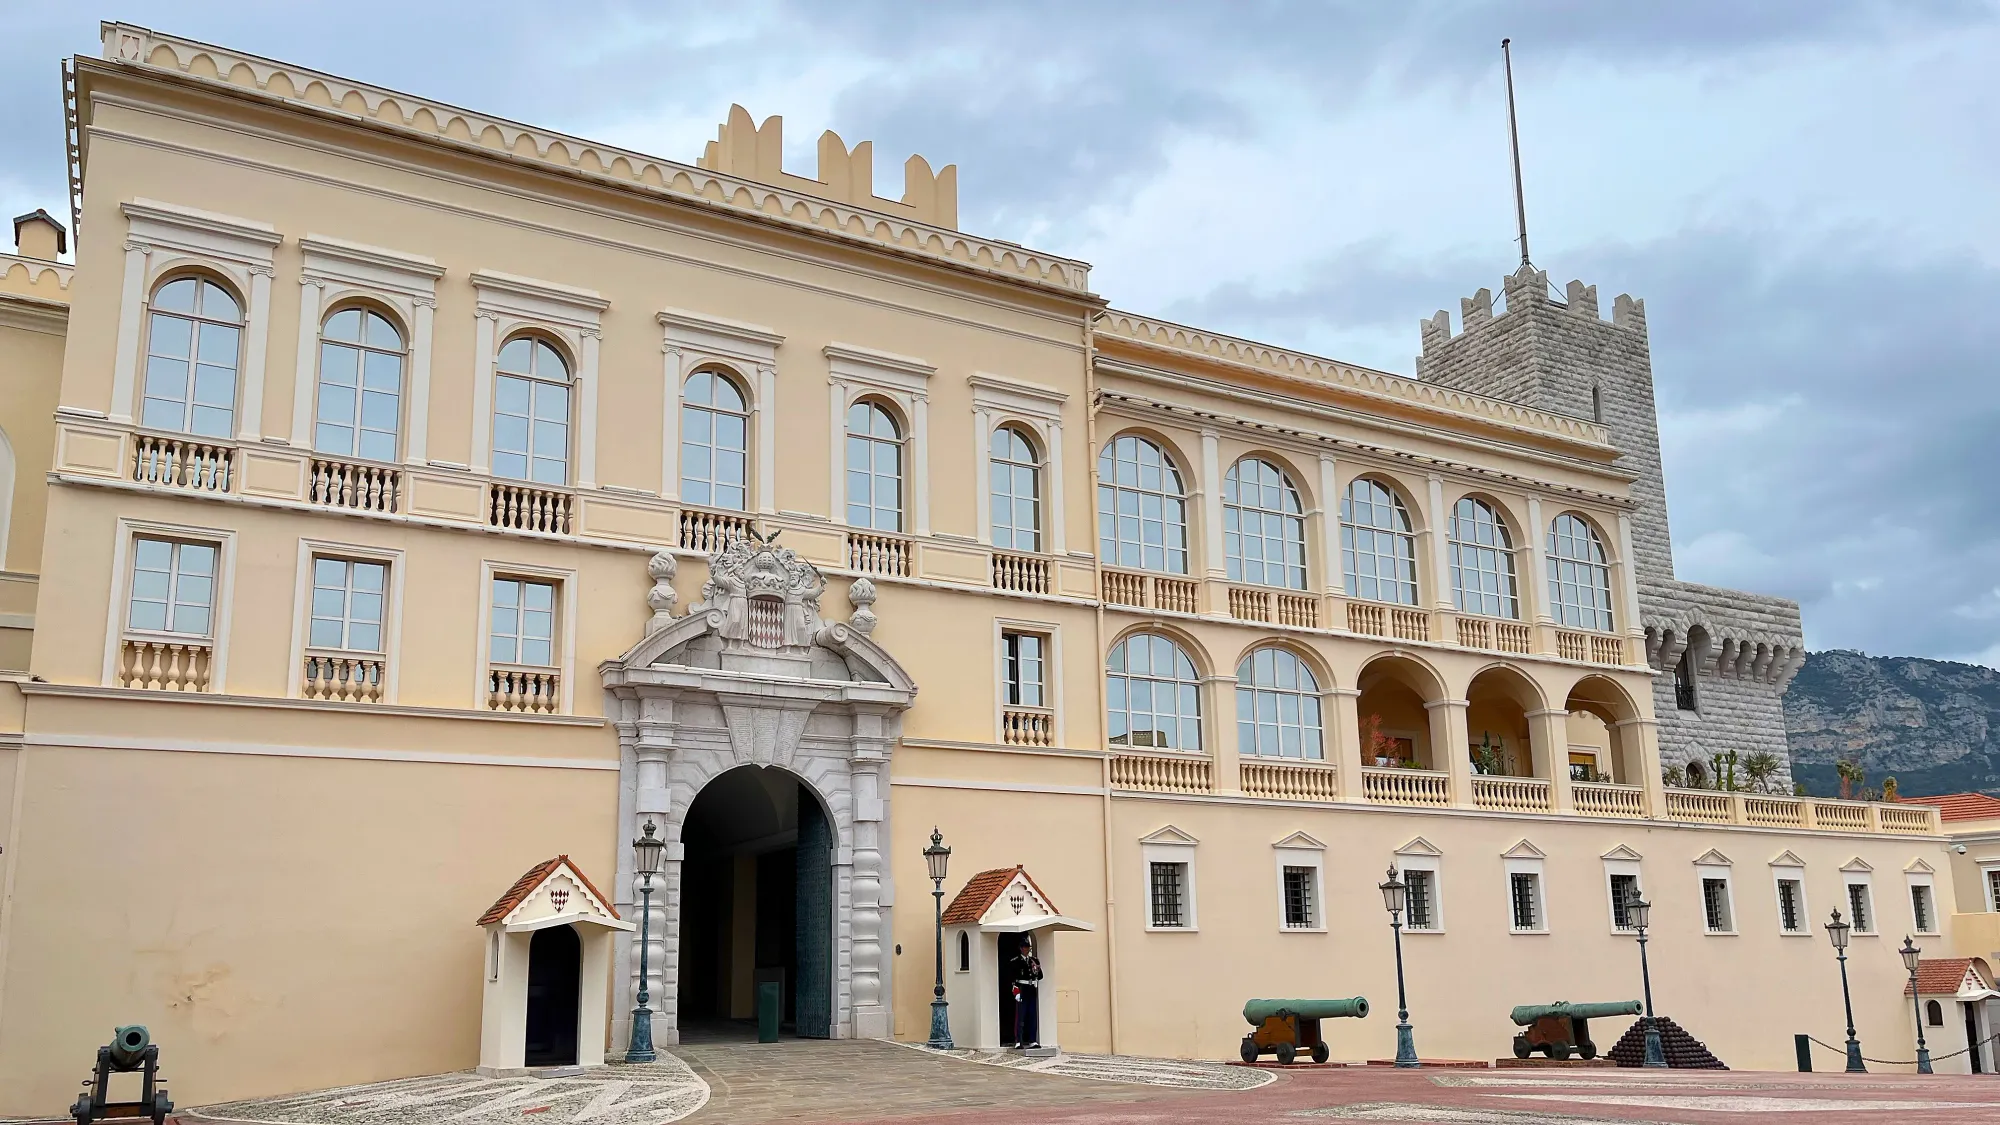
[[752, 675]]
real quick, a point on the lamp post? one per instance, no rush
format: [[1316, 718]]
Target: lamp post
[[935, 858], [1395, 896], [646, 853], [1911, 957], [1640, 912], [1837, 932]]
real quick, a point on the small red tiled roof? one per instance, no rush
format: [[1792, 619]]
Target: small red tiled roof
[[1940, 977], [1960, 806], [532, 878], [982, 890]]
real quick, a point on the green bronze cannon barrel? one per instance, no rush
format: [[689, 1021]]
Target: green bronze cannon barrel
[[1529, 1013], [1257, 1011], [127, 1044]]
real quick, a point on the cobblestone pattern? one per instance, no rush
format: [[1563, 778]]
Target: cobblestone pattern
[[1562, 355], [621, 1095]]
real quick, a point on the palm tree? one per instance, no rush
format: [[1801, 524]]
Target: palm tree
[[1851, 776], [1759, 768]]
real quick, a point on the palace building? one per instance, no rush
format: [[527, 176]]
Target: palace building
[[397, 499]]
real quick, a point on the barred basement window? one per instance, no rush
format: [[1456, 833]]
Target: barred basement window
[[1624, 889], [1920, 908], [1862, 918], [1527, 900], [1421, 904], [1301, 911], [1790, 913], [1169, 895], [1715, 906]]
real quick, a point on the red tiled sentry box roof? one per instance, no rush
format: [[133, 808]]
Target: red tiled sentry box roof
[[526, 884], [982, 890], [1940, 977], [1960, 806]]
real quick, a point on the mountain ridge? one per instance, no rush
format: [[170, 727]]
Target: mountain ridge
[[1933, 725]]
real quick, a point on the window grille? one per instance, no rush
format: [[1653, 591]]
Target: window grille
[[1624, 889], [1169, 895], [1993, 889], [1788, 906], [1526, 900], [1420, 891], [1857, 904], [1300, 909], [1715, 905], [1920, 907]]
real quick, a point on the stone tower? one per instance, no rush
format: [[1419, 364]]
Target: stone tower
[[1722, 658]]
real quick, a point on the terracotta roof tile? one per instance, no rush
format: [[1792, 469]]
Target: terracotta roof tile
[[1940, 977], [982, 890], [1959, 806], [532, 878]]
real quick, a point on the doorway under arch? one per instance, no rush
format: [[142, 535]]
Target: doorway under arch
[[756, 902], [555, 969]]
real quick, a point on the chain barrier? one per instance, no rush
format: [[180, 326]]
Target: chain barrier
[[1842, 1052]]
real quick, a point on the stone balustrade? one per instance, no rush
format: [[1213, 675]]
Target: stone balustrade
[[1289, 781]]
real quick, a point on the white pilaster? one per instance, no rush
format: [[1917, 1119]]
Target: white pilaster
[[670, 422], [1329, 506], [417, 448], [1437, 523], [982, 474], [131, 314], [1058, 541], [482, 393], [920, 464], [250, 419], [311, 296], [837, 456], [1211, 504], [1535, 587], [1628, 582], [586, 430], [767, 438]]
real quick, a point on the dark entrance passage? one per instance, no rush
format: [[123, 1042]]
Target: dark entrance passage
[[757, 902], [1972, 1037], [555, 968]]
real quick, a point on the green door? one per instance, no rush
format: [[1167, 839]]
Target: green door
[[814, 921]]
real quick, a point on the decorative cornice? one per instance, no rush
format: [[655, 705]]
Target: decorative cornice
[[33, 314], [34, 273], [127, 45]]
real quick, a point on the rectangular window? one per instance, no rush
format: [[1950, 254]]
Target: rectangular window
[[523, 626], [1715, 906], [1301, 905], [1169, 895], [1920, 908], [1791, 906], [347, 601], [1023, 657], [1624, 890], [1860, 916], [1583, 765], [1526, 896], [1993, 889], [1422, 904], [173, 587]]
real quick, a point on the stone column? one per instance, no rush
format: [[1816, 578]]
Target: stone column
[[305, 375], [250, 423], [1549, 732], [417, 447], [1451, 744], [482, 392], [1214, 560], [867, 989], [1535, 584], [1646, 732], [1058, 538], [1344, 705], [1218, 730], [586, 410]]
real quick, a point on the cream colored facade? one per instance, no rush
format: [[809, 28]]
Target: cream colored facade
[[246, 840]]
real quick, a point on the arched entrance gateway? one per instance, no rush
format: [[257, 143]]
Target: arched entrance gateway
[[757, 736]]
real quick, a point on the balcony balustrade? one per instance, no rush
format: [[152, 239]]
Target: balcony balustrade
[[710, 532], [1774, 812], [355, 487], [1493, 635], [1249, 605], [1405, 787], [1021, 574], [1159, 773], [520, 507], [1511, 794], [1028, 726], [1590, 648], [165, 665], [1600, 798], [519, 688], [1300, 611], [1289, 781], [184, 463], [1916, 821], [1150, 591], [870, 552], [343, 676]]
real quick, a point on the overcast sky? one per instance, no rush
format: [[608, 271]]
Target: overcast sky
[[1803, 192]]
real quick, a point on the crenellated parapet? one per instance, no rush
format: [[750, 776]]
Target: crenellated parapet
[[845, 175], [1529, 288]]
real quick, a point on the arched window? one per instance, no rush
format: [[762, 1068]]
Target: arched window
[[874, 467], [1933, 1013], [1141, 507], [1277, 706], [1263, 526], [1482, 561], [531, 412], [1579, 579], [360, 385], [715, 441], [1153, 695], [1016, 480], [1377, 549], [964, 952], [194, 337]]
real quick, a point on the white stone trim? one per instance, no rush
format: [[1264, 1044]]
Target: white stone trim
[[1052, 678], [333, 270], [220, 610], [1616, 862], [998, 401], [1169, 845], [392, 608], [1301, 850], [856, 371], [565, 631], [507, 305], [1526, 859], [693, 340], [1420, 855], [1858, 874], [1790, 868], [1925, 878], [1714, 865]]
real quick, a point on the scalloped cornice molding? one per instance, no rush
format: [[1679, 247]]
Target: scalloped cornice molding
[[131, 45], [35, 277]]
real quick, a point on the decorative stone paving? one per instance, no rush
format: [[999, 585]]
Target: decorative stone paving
[[1741, 1104], [647, 1094], [1450, 1115], [1180, 1074]]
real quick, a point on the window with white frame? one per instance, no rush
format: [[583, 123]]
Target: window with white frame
[[1015, 480], [1023, 668], [1860, 904], [1301, 897], [194, 344], [1991, 877], [1263, 526], [1482, 561], [1792, 910], [715, 441], [1527, 907], [1152, 694], [1579, 575], [1141, 507], [348, 596], [531, 415], [1718, 914], [1277, 706], [173, 587], [1169, 866], [1378, 550], [1301, 880], [1423, 902], [874, 467], [1923, 904], [1624, 892], [359, 413], [523, 625]]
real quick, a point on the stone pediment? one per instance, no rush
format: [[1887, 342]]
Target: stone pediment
[[1419, 846], [1712, 858], [1524, 850], [1787, 858], [1622, 852], [1168, 834], [1300, 840]]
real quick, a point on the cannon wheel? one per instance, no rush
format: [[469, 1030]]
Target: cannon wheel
[[1286, 1053], [81, 1110], [1249, 1049], [1586, 1049], [1521, 1048], [161, 1107], [1321, 1052], [1558, 1050]]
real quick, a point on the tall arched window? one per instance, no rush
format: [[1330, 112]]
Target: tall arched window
[[1482, 561], [1579, 578], [360, 385], [1377, 549], [194, 337], [715, 441], [1153, 695], [1277, 706], [1141, 507], [1015, 477], [531, 412], [1263, 526], [874, 467]]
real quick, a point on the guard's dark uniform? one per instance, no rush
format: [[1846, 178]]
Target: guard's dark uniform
[[1025, 970]]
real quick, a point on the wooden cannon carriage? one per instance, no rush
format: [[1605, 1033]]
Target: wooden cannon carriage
[[1561, 1028], [1286, 1027]]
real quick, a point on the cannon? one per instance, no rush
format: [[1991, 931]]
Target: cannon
[[131, 1048], [1286, 1027], [1560, 1028]]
